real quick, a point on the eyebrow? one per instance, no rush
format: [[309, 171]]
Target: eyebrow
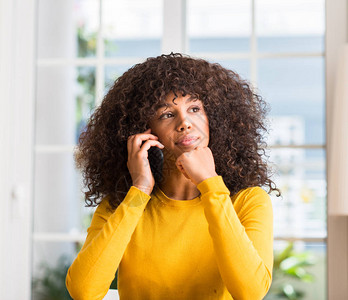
[[190, 99]]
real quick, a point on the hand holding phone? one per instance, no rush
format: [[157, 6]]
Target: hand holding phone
[[138, 163]]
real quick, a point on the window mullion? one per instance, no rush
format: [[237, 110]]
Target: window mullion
[[174, 37], [100, 74], [253, 46]]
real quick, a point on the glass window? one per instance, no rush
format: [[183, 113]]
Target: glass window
[[112, 72], [294, 86], [67, 28], [59, 206], [82, 49], [84, 45], [301, 176], [240, 66], [290, 26], [295, 89], [299, 271], [65, 97], [51, 261], [132, 28], [218, 26]]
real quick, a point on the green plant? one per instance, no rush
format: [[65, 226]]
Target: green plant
[[86, 42], [290, 267], [51, 283]]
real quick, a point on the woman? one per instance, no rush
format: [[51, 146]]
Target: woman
[[203, 228]]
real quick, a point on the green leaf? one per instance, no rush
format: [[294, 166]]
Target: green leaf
[[283, 255], [289, 292]]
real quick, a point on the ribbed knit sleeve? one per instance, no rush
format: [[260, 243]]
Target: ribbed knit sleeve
[[243, 242], [91, 273]]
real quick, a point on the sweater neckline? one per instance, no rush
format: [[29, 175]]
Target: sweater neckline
[[175, 202]]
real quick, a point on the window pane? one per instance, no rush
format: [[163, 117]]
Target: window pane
[[132, 28], [291, 43], [59, 202], [218, 26], [85, 97], [51, 261], [301, 177], [112, 73], [290, 26], [67, 28], [65, 97], [294, 87], [241, 66], [311, 267]]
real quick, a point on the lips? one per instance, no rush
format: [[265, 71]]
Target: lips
[[187, 140]]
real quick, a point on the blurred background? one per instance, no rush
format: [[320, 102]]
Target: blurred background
[[79, 47]]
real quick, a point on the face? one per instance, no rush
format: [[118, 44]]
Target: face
[[181, 125]]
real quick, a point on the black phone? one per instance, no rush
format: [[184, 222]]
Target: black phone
[[155, 156]]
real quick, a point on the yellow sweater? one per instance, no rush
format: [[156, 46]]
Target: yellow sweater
[[205, 248]]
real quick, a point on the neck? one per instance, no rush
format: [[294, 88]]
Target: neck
[[175, 185]]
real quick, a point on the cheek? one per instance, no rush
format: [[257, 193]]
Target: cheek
[[203, 125], [168, 140], [163, 134]]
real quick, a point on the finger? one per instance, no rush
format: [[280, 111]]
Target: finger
[[181, 169], [141, 137], [145, 136], [179, 165], [149, 143], [129, 144], [147, 131], [135, 141], [180, 157], [200, 147], [183, 172]]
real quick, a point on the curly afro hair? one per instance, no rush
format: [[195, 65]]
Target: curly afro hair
[[236, 123]]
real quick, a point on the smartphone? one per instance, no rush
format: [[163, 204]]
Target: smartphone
[[155, 156]]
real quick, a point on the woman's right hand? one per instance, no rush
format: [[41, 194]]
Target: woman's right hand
[[138, 163]]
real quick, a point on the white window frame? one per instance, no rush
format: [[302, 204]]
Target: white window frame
[[17, 85]]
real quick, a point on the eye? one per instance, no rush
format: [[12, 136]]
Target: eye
[[166, 115], [196, 109]]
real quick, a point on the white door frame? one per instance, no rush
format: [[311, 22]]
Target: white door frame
[[17, 86]]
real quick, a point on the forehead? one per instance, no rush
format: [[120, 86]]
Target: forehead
[[171, 100]]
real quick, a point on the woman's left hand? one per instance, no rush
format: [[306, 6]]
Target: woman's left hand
[[197, 165]]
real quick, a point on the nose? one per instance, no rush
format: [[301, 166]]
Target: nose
[[184, 125]]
